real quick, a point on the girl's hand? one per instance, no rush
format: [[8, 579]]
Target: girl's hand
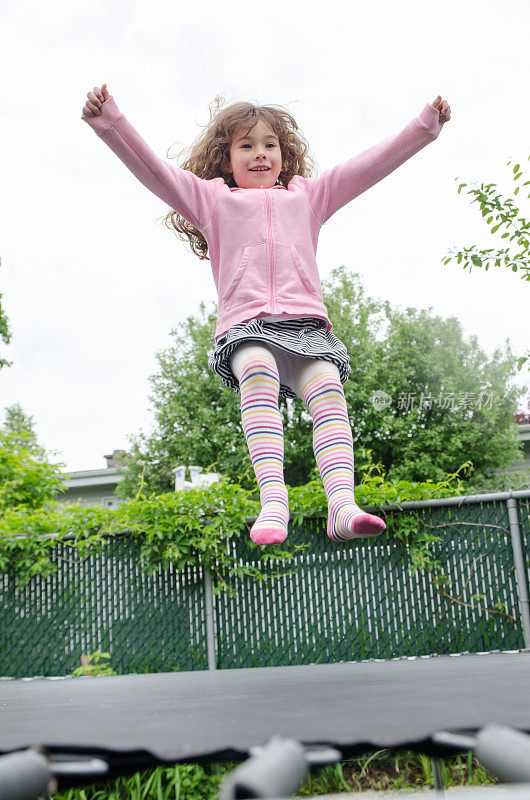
[[95, 100], [443, 107]]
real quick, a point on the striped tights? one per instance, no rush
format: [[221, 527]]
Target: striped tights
[[262, 423], [318, 384]]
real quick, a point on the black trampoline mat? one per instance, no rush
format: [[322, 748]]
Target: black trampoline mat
[[219, 715]]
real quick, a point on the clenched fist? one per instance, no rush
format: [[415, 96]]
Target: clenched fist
[[95, 100], [443, 107]]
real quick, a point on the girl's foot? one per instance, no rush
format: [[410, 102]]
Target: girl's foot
[[268, 535], [271, 525], [348, 521]]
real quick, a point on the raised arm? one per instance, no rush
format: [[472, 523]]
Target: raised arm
[[190, 196], [336, 187]]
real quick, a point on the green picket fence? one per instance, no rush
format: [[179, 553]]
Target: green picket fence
[[340, 602]]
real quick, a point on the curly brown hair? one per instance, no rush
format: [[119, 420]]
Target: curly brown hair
[[210, 154]]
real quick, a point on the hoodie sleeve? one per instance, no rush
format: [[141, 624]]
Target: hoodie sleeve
[[336, 187], [190, 196]]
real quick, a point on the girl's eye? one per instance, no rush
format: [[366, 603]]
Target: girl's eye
[[268, 143]]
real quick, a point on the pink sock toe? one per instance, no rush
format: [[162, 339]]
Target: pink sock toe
[[268, 535], [368, 525]]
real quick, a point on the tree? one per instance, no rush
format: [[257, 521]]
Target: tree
[[449, 403], [5, 333], [505, 216], [198, 419], [27, 479], [412, 356]]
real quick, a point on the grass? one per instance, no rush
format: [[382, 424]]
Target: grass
[[386, 770], [383, 770]]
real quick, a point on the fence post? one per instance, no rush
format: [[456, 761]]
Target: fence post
[[437, 776], [520, 569], [210, 627]]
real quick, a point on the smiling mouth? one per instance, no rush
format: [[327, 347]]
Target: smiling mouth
[[260, 170]]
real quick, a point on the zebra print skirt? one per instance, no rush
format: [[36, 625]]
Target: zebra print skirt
[[307, 337]]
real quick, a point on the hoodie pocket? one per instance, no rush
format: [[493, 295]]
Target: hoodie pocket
[[249, 281], [290, 271]]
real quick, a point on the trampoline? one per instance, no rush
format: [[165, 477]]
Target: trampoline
[[279, 721]]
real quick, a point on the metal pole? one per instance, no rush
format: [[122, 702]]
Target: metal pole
[[437, 775], [453, 501], [520, 569], [210, 629], [210, 633]]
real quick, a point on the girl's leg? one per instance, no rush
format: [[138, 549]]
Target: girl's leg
[[318, 384], [257, 372]]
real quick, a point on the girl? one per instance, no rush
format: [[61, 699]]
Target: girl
[[246, 198]]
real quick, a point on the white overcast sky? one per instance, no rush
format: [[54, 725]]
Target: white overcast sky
[[93, 282]]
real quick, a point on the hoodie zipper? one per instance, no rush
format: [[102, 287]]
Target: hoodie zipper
[[271, 249]]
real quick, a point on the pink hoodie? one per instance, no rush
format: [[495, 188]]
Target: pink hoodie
[[262, 242]]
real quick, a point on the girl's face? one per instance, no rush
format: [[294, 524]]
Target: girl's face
[[258, 147]]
